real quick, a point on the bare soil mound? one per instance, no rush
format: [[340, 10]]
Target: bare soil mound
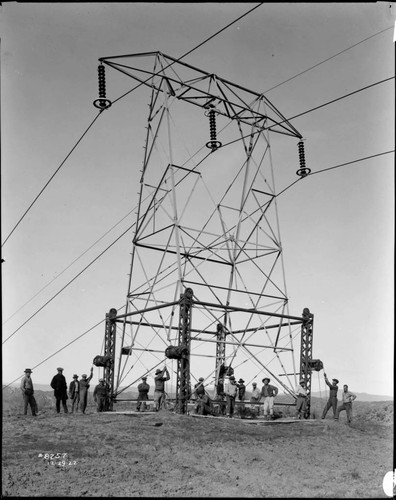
[[166, 454]]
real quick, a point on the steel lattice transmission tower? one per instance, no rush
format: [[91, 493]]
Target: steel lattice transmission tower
[[206, 223]]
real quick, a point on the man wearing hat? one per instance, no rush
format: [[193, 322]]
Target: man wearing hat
[[231, 391], [100, 395], [84, 386], [332, 401], [241, 394], [74, 392], [347, 398], [268, 392], [143, 389], [27, 393], [255, 398], [161, 376], [301, 402], [58, 383]]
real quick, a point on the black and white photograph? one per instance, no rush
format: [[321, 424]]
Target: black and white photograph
[[197, 235]]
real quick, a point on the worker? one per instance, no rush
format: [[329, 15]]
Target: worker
[[161, 376], [255, 398], [100, 395], [302, 396], [241, 395], [231, 391], [27, 393], [74, 392], [84, 386], [268, 393], [347, 398], [332, 401], [58, 383], [143, 389]]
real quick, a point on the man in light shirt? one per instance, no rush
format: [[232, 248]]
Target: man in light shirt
[[301, 403], [268, 392], [255, 398], [231, 390], [74, 392], [347, 398], [27, 393]]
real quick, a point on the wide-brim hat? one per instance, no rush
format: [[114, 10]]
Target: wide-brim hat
[[28, 370], [266, 378], [157, 371], [254, 383], [335, 380], [241, 381], [60, 369], [144, 378], [75, 376]]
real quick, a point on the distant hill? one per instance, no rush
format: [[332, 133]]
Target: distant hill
[[361, 396]]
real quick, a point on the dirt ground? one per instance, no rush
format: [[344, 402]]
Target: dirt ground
[[170, 455]]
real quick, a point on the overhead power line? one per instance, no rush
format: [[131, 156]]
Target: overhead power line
[[74, 147], [333, 167], [328, 59], [52, 176], [187, 53], [69, 283], [331, 102], [59, 350]]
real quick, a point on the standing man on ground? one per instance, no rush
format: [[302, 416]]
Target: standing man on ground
[[347, 398], [161, 376], [301, 403], [84, 386], [58, 383], [332, 402], [143, 389], [27, 393], [74, 392], [268, 392], [231, 391], [255, 398], [100, 395]]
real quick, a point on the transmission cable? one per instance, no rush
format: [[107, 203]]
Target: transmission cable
[[328, 59], [59, 350], [187, 53], [71, 281], [335, 166], [52, 176], [331, 102], [74, 147], [70, 265]]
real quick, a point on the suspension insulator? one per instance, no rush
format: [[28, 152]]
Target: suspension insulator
[[102, 102], [213, 144], [303, 170]]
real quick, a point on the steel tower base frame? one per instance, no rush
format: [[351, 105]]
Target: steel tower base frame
[[186, 304]]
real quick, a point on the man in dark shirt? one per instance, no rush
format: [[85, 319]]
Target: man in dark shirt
[[100, 395], [58, 383], [143, 389], [332, 401], [161, 376]]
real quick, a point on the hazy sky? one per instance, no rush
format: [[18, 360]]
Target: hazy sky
[[337, 227]]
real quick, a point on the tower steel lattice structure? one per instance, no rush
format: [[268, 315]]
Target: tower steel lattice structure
[[206, 240]]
